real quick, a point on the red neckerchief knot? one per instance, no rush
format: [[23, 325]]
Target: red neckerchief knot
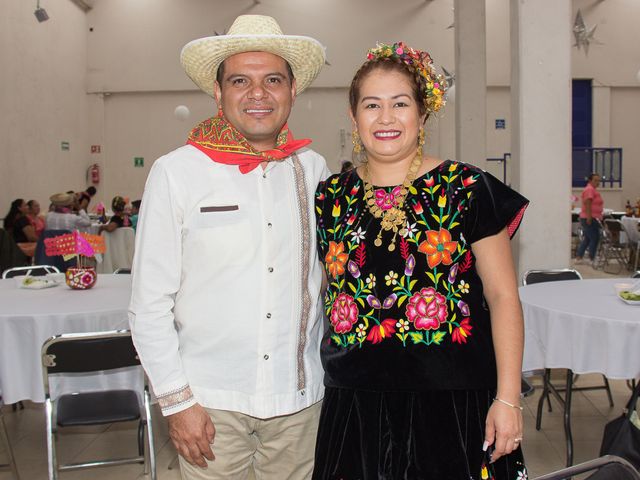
[[222, 143]]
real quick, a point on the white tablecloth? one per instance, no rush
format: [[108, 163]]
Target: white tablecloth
[[29, 317], [581, 325], [119, 250]]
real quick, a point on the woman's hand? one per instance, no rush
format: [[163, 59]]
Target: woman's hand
[[503, 429]]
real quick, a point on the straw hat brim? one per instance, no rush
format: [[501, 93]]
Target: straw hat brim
[[202, 57], [62, 199]]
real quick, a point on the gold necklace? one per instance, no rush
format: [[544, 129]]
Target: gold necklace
[[393, 217]]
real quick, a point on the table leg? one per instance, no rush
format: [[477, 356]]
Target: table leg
[[567, 418]]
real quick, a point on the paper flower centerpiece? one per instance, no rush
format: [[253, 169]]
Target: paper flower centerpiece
[[79, 245]]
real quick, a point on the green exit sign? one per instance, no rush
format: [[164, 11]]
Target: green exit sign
[[138, 161]]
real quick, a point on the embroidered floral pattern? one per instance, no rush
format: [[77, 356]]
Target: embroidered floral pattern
[[422, 300]]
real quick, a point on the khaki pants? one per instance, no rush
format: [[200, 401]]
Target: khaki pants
[[278, 448]]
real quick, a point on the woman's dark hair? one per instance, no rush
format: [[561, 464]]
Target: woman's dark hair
[[118, 204], [386, 65], [91, 190], [14, 212], [591, 175], [30, 203]]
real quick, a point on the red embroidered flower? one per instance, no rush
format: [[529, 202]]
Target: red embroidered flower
[[382, 331], [468, 181], [344, 313], [461, 333], [336, 259], [427, 309], [438, 247], [430, 182], [417, 207]]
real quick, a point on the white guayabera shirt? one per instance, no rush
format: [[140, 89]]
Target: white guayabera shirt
[[225, 307]]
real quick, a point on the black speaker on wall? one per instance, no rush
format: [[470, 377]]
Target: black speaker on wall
[[41, 14]]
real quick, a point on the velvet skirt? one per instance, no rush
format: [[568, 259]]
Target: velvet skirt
[[368, 435]]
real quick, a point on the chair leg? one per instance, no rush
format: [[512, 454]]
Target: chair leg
[[151, 446], [545, 394], [141, 426], [12, 458], [52, 464], [608, 389]]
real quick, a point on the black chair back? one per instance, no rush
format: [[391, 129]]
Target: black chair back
[[108, 351], [41, 258], [539, 276]]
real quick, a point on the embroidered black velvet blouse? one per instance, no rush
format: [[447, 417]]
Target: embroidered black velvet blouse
[[413, 318]]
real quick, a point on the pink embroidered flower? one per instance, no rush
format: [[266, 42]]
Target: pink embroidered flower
[[344, 313], [427, 309], [386, 200], [399, 51]]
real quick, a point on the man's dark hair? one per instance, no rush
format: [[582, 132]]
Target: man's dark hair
[[220, 73]]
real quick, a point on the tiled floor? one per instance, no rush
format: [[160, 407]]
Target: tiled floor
[[544, 450]]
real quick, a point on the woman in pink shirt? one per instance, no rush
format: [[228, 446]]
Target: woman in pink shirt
[[590, 218]]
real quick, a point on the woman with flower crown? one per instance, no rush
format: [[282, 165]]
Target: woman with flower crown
[[423, 352]]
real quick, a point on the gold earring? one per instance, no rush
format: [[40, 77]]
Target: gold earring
[[420, 140], [357, 143]]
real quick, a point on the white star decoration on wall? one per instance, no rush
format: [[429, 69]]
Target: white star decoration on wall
[[584, 35]]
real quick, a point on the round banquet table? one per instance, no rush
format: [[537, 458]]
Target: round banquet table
[[29, 317], [581, 325]]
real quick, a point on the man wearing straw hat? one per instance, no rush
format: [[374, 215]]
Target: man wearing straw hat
[[225, 309]]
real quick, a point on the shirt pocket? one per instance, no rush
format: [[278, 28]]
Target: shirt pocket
[[220, 234], [212, 216]]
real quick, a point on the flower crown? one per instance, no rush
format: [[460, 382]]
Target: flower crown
[[432, 85]]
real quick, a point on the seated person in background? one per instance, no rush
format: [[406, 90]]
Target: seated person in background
[[62, 217], [34, 216], [17, 223], [135, 209], [119, 219], [83, 199]]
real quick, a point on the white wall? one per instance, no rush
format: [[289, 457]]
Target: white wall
[[132, 54], [43, 101]]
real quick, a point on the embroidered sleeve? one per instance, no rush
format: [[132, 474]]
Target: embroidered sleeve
[[176, 400], [493, 207]]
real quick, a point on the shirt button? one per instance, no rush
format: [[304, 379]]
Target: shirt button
[[264, 175], [268, 315], [269, 224], [270, 269], [266, 357]]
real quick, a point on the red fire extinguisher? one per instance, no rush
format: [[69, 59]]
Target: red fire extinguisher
[[93, 173]]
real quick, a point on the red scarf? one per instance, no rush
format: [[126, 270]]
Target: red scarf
[[222, 143]]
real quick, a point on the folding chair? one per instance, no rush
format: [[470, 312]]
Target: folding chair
[[86, 353], [636, 274], [34, 270], [608, 467], [554, 275], [122, 271], [612, 247], [11, 466]]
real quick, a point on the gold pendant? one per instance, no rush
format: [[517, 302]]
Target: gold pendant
[[377, 242], [392, 246]]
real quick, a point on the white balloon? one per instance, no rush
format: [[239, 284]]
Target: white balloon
[[451, 93], [182, 112]]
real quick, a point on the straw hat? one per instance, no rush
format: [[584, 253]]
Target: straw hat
[[252, 33], [62, 199]]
